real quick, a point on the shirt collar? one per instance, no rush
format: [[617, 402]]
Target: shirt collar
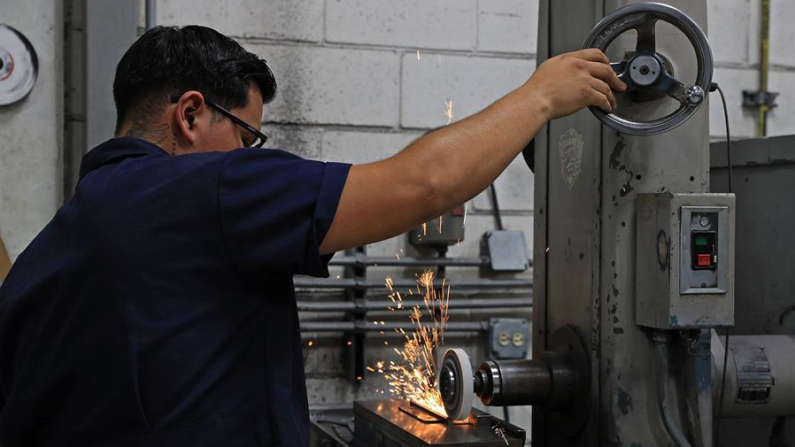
[[116, 149]]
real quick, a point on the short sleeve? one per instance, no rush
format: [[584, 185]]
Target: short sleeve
[[275, 209]]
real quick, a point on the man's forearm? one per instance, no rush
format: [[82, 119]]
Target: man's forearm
[[462, 159]]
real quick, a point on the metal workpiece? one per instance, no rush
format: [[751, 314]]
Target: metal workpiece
[[644, 69], [393, 423], [760, 375], [674, 234]]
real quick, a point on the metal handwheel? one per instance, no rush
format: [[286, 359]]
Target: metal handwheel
[[646, 72]]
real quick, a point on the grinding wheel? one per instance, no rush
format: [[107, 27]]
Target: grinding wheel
[[456, 384]]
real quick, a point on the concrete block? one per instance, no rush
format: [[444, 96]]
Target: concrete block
[[781, 121], [729, 25], [742, 121], [274, 19], [508, 26], [444, 24], [471, 83], [303, 141], [332, 86], [782, 33], [364, 147]]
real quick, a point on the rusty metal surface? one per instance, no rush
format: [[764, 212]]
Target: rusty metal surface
[[391, 423]]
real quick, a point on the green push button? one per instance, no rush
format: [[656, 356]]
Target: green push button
[[701, 241]]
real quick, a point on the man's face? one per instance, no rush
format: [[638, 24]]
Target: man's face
[[225, 135]]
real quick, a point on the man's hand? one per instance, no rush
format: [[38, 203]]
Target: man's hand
[[453, 164], [571, 81]]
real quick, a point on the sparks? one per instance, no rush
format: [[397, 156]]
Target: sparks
[[424, 228], [448, 112], [418, 54], [415, 377], [440, 224]]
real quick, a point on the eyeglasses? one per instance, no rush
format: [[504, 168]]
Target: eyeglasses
[[259, 137]]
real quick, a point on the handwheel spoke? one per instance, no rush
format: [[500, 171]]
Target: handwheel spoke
[[673, 88], [647, 42], [620, 69]]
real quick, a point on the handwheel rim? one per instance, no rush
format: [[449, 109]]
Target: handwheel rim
[[631, 17]]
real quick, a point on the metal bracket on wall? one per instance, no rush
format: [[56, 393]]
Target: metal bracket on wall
[[754, 99]]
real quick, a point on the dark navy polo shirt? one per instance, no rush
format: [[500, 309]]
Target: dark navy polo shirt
[[157, 307]]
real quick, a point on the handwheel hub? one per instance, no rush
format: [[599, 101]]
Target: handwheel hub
[[645, 70]]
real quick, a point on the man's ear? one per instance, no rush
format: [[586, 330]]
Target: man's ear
[[190, 108]]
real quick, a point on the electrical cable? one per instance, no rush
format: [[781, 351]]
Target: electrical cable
[[714, 86], [496, 205]]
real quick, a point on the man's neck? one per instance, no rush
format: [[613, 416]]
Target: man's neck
[[157, 134]]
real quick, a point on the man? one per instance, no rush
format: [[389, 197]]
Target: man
[[157, 308]]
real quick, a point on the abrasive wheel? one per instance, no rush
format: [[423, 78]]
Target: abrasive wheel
[[646, 72], [456, 384]]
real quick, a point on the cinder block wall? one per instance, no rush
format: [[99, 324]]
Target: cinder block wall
[[734, 28]]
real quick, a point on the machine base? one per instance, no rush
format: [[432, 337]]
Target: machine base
[[395, 423]]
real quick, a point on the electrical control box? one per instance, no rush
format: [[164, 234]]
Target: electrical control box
[[684, 274]]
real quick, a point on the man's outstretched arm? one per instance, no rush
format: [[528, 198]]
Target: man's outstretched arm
[[453, 164]]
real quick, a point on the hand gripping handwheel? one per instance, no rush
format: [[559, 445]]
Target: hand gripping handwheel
[[646, 72]]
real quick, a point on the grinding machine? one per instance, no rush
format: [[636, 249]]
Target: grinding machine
[[634, 267]]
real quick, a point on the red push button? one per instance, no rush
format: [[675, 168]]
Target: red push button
[[703, 260]]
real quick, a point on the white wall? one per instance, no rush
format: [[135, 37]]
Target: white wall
[[31, 132]]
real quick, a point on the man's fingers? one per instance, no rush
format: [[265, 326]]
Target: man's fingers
[[604, 89], [601, 101], [605, 73], [593, 55]]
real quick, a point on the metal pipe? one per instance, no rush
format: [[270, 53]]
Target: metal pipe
[[354, 283], [661, 339], [364, 305], [764, 63], [151, 13], [383, 261], [366, 326]]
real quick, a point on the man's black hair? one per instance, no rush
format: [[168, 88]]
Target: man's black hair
[[169, 61]]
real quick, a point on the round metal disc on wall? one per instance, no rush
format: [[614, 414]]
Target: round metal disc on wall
[[19, 66]]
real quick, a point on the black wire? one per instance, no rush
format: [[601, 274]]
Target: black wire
[[497, 213], [714, 87]]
